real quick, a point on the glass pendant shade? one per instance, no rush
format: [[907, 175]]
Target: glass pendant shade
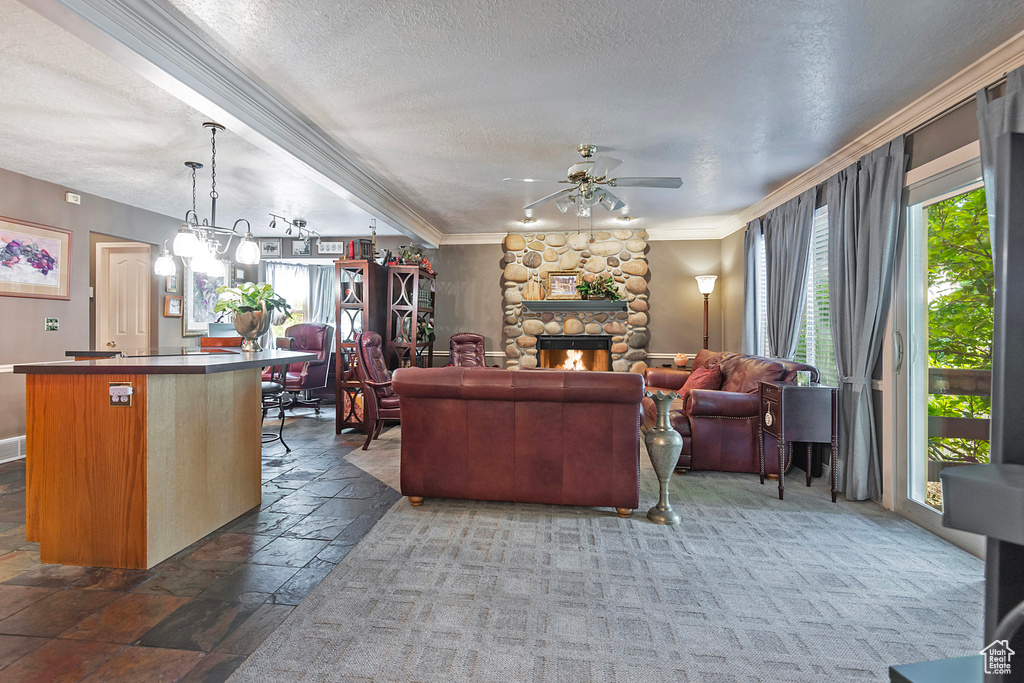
[[248, 251], [582, 210], [706, 283], [165, 264], [204, 261], [564, 204], [186, 244]]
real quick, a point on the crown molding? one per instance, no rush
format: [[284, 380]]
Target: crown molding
[[953, 91], [474, 238], [149, 39]]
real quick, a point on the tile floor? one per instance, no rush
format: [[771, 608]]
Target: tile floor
[[197, 615]]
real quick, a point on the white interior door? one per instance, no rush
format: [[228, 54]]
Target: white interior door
[[123, 282]]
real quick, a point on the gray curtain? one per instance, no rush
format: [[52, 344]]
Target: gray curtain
[[1003, 115], [322, 295], [752, 332], [787, 243], [864, 209]]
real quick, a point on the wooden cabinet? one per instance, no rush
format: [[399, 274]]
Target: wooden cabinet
[[360, 296], [805, 414], [411, 296]]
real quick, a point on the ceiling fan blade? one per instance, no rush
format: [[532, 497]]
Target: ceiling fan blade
[[672, 183], [533, 180], [547, 199], [603, 166], [610, 201]]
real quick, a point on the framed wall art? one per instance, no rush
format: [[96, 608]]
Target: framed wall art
[[35, 260], [270, 247], [302, 248], [171, 285], [200, 296], [333, 248], [172, 306], [561, 284]]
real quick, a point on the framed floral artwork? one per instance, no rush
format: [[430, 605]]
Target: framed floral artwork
[[35, 260], [200, 296]]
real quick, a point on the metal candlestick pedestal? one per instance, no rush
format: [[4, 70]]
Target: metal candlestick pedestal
[[663, 446]]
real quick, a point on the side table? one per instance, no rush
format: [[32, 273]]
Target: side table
[[807, 414]]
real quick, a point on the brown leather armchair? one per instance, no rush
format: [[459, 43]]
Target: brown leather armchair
[[551, 436], [720, 428], [466, 350], [380, 402]]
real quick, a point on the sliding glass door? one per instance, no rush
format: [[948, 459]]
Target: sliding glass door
[[943, 305]]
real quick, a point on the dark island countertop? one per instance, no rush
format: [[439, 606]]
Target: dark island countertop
[[175, 361]]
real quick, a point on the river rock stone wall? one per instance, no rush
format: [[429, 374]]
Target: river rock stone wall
[[620, 254]]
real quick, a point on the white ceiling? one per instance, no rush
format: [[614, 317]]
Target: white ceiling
[[440, 99], [74, 117]]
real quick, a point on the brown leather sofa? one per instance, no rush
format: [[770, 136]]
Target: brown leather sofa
[[544, 436], [720, 428]]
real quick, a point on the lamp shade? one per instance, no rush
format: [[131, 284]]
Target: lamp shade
[[706, 283], [248, 251], [164, 265], [186, 244], [204, 261]]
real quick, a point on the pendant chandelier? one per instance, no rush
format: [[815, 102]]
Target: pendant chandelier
[[200, 243]]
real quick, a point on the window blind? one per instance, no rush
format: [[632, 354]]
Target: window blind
[[815, 345]]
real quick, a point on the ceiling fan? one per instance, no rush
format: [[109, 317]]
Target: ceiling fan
[[590, 182]]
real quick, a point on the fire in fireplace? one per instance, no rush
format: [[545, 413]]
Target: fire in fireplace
[[574, 352]]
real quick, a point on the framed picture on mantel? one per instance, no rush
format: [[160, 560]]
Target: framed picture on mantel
[[561, 284], [35, 260]]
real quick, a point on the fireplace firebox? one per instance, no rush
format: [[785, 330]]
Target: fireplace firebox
[[575, 352]]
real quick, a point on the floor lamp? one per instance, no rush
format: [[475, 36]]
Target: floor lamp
[[706, 285]]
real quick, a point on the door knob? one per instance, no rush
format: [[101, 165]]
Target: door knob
[[112, 344]]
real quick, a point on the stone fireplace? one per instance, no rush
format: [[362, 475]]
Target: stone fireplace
[[574, 352], [528, 317]]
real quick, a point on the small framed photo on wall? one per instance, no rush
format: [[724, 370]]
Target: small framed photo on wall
[[172, 306], [302, 248], [270, 247], [171, 284]]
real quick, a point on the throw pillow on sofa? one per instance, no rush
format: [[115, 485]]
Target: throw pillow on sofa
[[703, 378]]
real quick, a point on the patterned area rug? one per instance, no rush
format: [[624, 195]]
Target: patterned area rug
[[747, 588]]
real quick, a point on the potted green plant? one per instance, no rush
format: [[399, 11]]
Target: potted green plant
[[601, 288], [255, 307]]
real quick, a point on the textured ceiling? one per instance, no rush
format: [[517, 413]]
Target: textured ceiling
[[440, 99], [74, 117]]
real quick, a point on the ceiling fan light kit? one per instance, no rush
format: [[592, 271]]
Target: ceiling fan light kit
[[590, 182]]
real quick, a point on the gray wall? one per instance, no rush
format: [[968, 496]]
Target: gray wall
[[25, 341], [468, 294], [731, 279], [677, 307]]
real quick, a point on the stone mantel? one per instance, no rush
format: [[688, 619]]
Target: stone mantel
[[573, 305]]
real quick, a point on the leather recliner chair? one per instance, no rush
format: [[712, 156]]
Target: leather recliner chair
[[466, 350], [379, 400], [310, 375], [720, 429]]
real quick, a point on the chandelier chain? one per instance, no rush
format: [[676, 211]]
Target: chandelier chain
[[213, 165], [193, 191]]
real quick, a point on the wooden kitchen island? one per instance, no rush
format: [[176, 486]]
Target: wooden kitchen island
[[126, 480]]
